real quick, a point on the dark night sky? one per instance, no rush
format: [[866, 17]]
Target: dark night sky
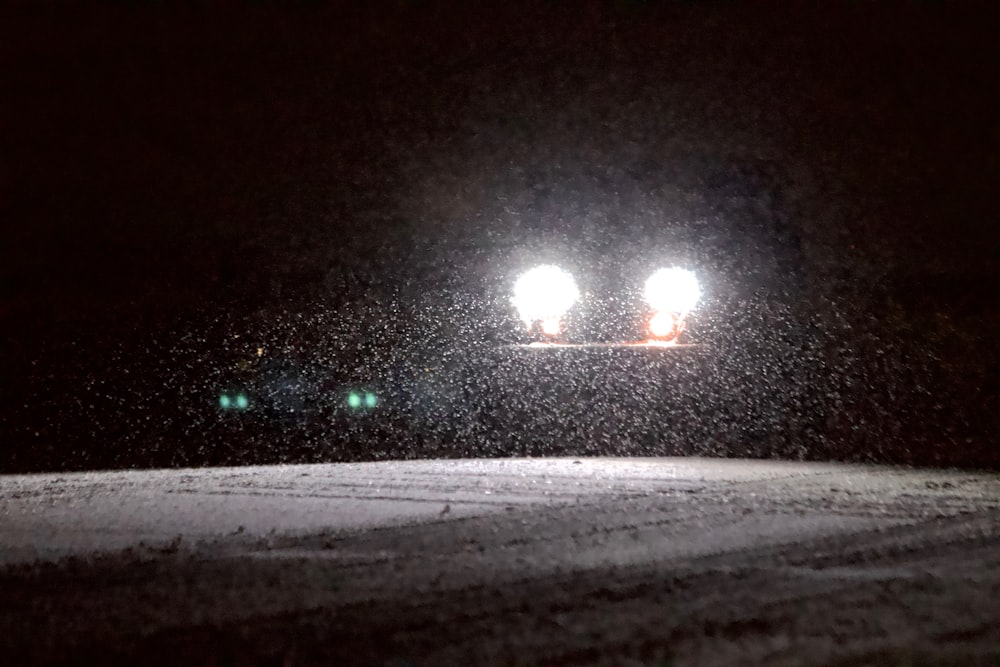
[[166, 161], [167, 146]]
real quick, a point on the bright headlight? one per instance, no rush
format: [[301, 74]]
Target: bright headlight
[[672, 290], [544, 294]]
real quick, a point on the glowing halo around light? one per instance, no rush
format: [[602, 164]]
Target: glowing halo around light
[[673, 290], [544, 294]]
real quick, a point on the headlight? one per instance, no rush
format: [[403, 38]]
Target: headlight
[[544, 294], [672, 290], [671, 294]]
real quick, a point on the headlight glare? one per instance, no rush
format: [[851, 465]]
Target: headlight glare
[[544, 294], [673, 290]]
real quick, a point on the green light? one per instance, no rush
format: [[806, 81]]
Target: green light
[[225, 402], [241, 402], [371, 400], [354, 400]]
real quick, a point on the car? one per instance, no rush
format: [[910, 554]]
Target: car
[[544, 295], [493, 394]]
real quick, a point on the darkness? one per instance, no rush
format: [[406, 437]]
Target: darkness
[[352, 188]]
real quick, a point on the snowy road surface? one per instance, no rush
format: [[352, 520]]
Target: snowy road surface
[[536, 561]]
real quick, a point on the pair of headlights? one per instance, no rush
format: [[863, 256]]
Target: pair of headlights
[[543, 296]]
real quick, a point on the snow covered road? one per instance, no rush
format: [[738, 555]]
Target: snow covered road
[[530, 561]]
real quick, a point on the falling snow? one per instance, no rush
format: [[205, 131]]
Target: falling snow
[[244, 239]]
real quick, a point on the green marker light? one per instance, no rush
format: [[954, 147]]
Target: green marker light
[[354, 400], [371, 400], [225, 402], [241, 402]]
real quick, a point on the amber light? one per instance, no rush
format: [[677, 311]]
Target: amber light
[[664, 326], [551, 326]]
